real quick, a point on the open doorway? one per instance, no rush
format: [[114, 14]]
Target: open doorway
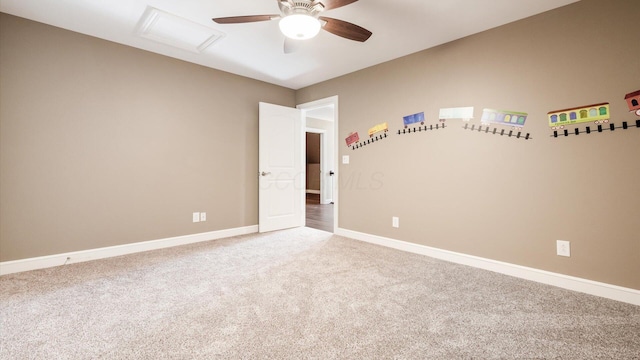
[[321, 154], [318, 211]]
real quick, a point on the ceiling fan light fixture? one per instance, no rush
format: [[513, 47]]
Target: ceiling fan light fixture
[[299, 26]]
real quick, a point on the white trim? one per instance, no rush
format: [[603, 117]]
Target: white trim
[[10, 267], [332, 100], [311, 191], [605, 290]]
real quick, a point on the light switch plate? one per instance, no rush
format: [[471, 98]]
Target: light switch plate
[[196, 217], [345, 159]]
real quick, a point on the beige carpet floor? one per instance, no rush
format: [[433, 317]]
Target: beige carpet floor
[[301, 294]]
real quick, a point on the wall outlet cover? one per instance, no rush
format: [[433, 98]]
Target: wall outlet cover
[[203, 216], [563, 248]]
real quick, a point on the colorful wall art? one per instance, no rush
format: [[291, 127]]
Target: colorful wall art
[[632, 101], [597, 113], [352, 138], [503, 117], [378, 128], [413, 119], [464, 113]]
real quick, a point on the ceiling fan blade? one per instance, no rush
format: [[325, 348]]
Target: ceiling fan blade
[[244, 19], [345, 29], [334, 4]]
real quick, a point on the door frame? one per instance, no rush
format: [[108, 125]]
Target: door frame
[[333, 102]]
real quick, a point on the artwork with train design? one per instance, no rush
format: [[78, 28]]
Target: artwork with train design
[[596, 113], [352, 138], [503, 117], [413, 119], [513, 119], [632, 101], [383, 127], [464, 113]]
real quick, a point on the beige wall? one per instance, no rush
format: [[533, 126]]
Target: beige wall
[[102, 144], [501, 198]]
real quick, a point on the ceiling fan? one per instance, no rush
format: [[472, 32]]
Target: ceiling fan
[[301, 20]]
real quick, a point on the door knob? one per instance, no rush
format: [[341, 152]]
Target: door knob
[[265, 173]]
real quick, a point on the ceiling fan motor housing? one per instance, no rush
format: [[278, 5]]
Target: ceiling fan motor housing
[[306, 7]]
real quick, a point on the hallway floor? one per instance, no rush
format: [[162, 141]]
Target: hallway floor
[[318, 216]]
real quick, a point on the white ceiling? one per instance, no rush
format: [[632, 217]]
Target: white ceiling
[[255, 50]]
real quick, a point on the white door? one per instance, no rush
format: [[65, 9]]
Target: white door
[[281, 168]]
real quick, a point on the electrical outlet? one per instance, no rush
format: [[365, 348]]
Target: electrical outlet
[[196, 217], [395, 222], [203, 216], [563, 248]]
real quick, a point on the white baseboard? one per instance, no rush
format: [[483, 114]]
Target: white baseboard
[[10, 267], [605, 290], [609, 291]]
